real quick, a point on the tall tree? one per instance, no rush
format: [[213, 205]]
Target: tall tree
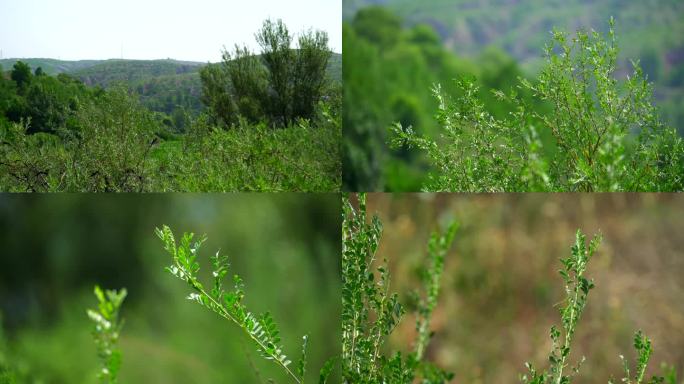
[[21, 74], [217, 94], [310, 74], [249, 82], [278, 86], [275, 40]]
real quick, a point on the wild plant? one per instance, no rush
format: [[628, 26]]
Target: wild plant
[[370, 312], [253, 157], [605, 133], [109, 152], [106, 331], [261, 329], [28, 161], [577, 287]]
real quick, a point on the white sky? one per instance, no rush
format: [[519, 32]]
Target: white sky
[[193, 30]]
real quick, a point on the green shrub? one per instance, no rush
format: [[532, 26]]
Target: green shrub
[[606, 134], [253, 157], [116, 149]]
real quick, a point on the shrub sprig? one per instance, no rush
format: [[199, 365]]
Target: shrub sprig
[[260, 328], [370, 312], [577, 288], [106, 331]]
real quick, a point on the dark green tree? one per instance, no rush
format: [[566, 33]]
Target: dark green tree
[[217, 94], [21, 74], [310, 75], [275, 41], [278, 86], [248, 78]]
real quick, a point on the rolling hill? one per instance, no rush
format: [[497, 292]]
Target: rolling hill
[[521, 27]]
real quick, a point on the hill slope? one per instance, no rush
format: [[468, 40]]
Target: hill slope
[[521, 27], [103, 72], [131, 71], [50, 66]]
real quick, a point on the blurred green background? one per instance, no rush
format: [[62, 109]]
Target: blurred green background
[[395, 50], [56, 247], [500, 283]]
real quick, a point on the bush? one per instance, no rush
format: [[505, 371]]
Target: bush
[[109, 152], [606, 133], [577, 288]]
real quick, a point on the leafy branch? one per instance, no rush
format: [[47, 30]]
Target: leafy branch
[[577, 288], [228, 303], [370, 312]]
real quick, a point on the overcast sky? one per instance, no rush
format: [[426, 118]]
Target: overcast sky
[[193, 30]]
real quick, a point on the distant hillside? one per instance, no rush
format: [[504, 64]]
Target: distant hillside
[[521, 27], [104, 72], [131, 71], [50, 66]]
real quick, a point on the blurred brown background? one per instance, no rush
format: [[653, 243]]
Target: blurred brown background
[[501, 282]]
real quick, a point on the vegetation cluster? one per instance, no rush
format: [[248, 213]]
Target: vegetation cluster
[[606, 133], [388, 72]]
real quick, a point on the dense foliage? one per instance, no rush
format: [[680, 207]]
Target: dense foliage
[[607, 135], [169, 86], [56, 134], [387, 73]]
